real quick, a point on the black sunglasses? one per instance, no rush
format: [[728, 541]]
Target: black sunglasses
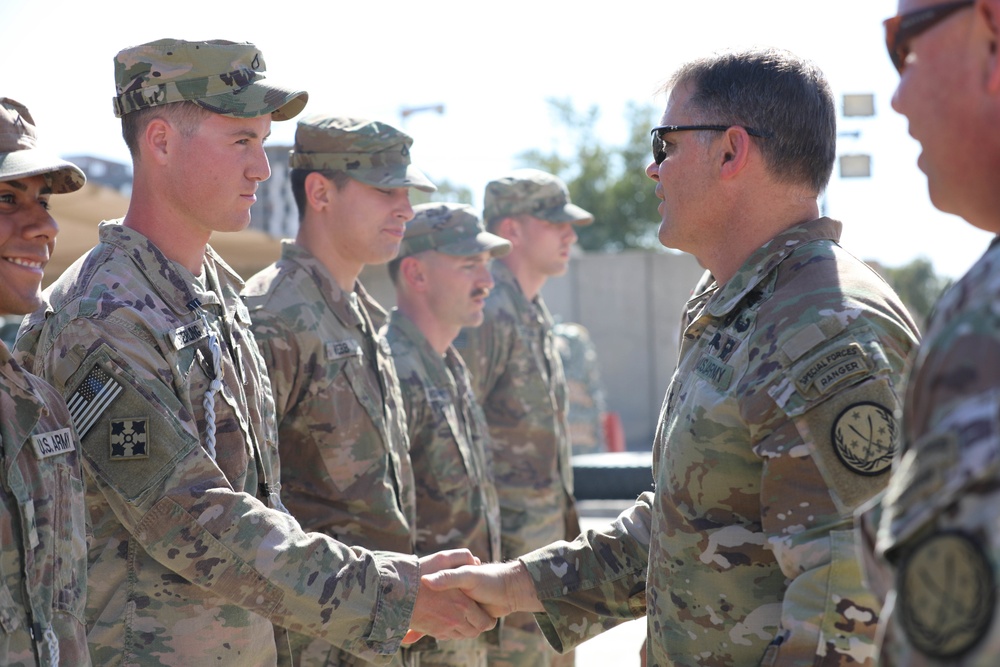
[[659, 150], [900, 30]]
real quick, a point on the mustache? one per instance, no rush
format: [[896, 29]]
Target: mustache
[[480, 292]]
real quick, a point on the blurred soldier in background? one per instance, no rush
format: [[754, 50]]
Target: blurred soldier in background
[[442, 279], [587, 407], [518, 378]]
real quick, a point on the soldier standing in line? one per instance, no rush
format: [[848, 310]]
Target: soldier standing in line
[[782, 416], [937, 550], [43, 531], [518, 379], [442, 279], [193, 558], [341, 423]]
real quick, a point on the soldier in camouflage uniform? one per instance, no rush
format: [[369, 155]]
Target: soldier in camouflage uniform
[[518, 378], [341, 422], [192, 556], [583, 383], [937, 551], [442, 279], [43, 532], [782, 415]]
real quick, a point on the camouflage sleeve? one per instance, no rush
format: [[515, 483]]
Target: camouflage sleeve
[[828, 451], [937, 541], [180, 507], [595, 582]]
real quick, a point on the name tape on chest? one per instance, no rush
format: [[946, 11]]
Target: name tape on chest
[[342, 349], [94, 395], [188, 334], [53, 443]]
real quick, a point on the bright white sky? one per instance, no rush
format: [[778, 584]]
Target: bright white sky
[[493, 65]]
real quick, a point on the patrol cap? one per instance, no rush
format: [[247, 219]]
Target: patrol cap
[[20, 158], [366, 150], [221, 76], [532, 192], [452, 229]]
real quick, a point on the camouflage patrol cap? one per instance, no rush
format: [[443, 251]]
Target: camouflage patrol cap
[[452, 229], [366, 150], [221, 76], [19, 157], [531, 192]]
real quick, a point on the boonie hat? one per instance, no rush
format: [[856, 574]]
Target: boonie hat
[[221, 76], [366, 150], [20, 158], [453, 229], [532, 192]]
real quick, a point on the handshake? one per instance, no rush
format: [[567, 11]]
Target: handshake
[[459, 597]]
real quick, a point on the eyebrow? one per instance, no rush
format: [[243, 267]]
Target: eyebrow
[[23, 187]]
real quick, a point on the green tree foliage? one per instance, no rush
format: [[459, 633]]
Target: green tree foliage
[[446, 192], [608, 181], [917, 285]]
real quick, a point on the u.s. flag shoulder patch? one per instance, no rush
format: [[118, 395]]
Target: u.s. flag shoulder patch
[[92, 397]]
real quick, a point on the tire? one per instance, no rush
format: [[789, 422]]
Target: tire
[[612, 475]]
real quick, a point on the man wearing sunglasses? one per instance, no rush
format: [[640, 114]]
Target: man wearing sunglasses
[[936, 554], [781, 418]]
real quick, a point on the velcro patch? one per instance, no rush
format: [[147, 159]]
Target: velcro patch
[[92, 397], [946, 595], [716, 372], [128, 439], [832, 368], [53, 443], [865, 436], [340, 349], [188, 334]]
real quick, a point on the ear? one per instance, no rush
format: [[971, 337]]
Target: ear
[[158, 138], [510, 229], [734, 156], [412, 271], [989, 12], [318, 190]]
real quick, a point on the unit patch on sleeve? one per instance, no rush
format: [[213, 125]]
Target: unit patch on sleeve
[[129, 439], [946, 595], [865, 436]]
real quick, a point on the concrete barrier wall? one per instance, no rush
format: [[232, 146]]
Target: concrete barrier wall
[[631, 303]]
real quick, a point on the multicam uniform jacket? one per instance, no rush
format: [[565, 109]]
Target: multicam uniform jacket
[[43, 532], [457, 503], [938, 531], [189, 562], [341, 423], [781, 419]]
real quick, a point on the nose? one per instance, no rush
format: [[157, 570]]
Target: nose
[[404, 209], [485, 277], [260, 168], [571, 232], [40, 225], [653, 170]]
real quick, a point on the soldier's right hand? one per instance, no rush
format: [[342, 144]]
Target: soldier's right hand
[[447, 613]]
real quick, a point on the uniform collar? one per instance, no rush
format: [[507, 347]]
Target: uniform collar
[[175, 285], [437, 366], [765, 259]]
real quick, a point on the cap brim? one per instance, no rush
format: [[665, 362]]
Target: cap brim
[[394, 176], [63, 176], [497, 246], [567, 213], [258, 99]]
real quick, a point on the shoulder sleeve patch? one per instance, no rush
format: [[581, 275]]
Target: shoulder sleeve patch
[[947, 592], [135, 435]]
